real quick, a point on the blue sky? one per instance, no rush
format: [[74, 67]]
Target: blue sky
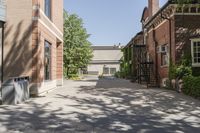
[[109, 21]]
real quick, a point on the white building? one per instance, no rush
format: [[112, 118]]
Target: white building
[[106, 60]]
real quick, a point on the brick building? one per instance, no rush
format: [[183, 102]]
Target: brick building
[[171, 34], [131, 53], [33, 44]]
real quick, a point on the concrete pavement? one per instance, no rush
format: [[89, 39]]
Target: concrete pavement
[[103, 106]]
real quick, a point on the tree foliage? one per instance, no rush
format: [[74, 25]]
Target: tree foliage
[[77, 48], [185, 1]]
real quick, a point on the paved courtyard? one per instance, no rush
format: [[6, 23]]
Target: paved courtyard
[[103, 106]]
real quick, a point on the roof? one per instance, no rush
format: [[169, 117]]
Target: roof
[[131, 41], [106, 47], [158, 12]]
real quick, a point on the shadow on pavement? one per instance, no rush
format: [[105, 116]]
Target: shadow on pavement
[[109, 106]]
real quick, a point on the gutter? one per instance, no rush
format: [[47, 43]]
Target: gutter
[[156, 14], [170, 35], [2, 57]]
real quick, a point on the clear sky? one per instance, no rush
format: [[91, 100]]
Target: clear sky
[[109, 21]]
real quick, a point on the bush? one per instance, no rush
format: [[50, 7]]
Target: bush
[[191, 86], [117, 74], [182, 71], [74, 77], [100, 76]]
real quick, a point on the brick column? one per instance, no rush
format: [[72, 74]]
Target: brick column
[[59, 68]]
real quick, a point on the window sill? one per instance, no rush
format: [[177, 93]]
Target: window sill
[[164, 66], [195, 65]]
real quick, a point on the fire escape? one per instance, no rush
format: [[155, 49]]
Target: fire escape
[[144, 67]]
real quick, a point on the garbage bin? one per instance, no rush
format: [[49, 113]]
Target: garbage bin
[[15, 90]]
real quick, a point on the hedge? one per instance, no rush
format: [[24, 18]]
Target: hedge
[[191, 86]]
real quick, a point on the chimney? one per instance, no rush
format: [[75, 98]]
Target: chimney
[[153, 7]]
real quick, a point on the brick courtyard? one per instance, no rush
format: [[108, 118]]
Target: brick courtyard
[[103, 106]]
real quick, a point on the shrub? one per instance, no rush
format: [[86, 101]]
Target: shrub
[[182, 71], [100, 76], [117, 74], [74, 77], [191, 86]]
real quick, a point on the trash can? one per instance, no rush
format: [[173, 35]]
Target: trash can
[[15, 90]]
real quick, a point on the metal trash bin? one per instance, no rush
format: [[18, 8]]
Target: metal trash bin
[[15, 90]]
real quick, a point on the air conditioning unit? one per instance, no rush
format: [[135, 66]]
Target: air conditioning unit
[[164, 82], [162, 49]]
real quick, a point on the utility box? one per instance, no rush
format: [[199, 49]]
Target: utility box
[[15, 90]]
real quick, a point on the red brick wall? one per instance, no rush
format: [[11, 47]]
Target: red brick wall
[[160, 36], [183, 28], [59, 61], [187, 27], [45, 31]]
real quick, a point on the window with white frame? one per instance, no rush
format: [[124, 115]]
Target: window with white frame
[[163, 50], [164, 59], [195, 47]]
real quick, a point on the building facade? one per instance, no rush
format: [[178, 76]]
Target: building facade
[[105, 61], [33, 44], [171, 35]]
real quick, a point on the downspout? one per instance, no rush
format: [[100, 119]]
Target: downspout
[[2, 57], [170, 39], [156, 57]]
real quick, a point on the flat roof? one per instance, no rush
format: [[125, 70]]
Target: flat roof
[[106, 47]]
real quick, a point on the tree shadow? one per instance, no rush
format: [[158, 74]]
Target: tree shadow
[[107, 106], [119, 106], [21, 52]]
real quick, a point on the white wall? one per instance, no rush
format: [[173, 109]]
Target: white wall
[[104, 56], [99, 67], [107, 55]]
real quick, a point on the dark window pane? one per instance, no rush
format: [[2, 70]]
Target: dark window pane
[[112, 70], [164, 59], [198, 43], [198, 49], [195, 44], [193, 9], [47, 61], [195, 55], [195, 60], [47, 8], [195, 49], [105, 70], [185, 9]]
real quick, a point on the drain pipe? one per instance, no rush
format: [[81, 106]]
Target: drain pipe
[[170, 36], [156, 57], [2, 57], [170, 42]]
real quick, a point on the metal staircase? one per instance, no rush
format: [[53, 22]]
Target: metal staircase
[[145, 68]]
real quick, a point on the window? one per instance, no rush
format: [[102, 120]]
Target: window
[[112, 71], [105, 70], [164, 59], [47, 61], [47, 8], [196, 52]]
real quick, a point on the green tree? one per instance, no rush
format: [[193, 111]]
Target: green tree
[[77, 48]]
